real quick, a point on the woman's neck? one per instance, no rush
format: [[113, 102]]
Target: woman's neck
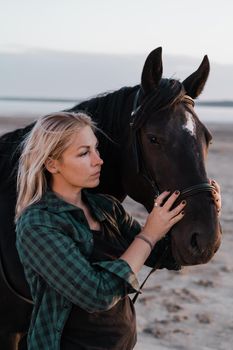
[[72, 197], [75, 197]]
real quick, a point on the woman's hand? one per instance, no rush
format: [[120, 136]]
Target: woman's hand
[[162, 218], [158, 223], [216, 195]]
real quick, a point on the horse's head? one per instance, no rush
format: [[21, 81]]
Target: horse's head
[[169, 146]]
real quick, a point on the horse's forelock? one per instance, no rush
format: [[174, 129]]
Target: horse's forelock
[[168, 93]]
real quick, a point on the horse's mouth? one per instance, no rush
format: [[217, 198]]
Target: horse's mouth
[[177, 255], [195, 257]]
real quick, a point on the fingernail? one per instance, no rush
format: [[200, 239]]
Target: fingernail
[[177, 192], [182, 212], [213, 182], [217, 200], [214, 192], [183, 202]]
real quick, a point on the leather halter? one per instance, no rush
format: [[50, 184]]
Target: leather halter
[[143, 169], [140, 163]]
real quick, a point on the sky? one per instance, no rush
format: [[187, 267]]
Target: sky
[[181, 27]]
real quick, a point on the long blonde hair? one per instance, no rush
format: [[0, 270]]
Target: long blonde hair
[[50, 136]]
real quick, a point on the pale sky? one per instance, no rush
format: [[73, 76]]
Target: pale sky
[[181, 27]]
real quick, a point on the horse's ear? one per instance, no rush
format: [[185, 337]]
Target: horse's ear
[[195, 83], [152, 70]]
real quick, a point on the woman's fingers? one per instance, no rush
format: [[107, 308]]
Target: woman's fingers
[[161, 219], [177, 218], [216, 185], [216, 195], [160, 199], [177, 209], [171, 200]]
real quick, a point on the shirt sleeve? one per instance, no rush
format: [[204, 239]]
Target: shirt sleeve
[[56, 257]]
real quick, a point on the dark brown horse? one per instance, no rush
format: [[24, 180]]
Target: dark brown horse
[[155, 142]]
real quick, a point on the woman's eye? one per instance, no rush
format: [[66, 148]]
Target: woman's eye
[[83, 154]]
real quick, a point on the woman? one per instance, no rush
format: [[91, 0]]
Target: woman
[[80, 251]]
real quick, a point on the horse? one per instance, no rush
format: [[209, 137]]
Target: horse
[[151, 140]]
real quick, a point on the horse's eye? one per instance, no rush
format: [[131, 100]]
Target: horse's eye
[[153, 140]]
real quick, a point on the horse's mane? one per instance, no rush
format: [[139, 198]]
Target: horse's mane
[[107, 109], [9, 153]]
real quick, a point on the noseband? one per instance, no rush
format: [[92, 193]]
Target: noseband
[[140, 163]]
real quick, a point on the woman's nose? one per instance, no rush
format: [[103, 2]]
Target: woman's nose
[[97, 160]]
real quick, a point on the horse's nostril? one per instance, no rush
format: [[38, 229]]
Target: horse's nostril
[[194, 243]]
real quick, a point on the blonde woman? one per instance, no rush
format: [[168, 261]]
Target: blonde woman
[[80, 300]]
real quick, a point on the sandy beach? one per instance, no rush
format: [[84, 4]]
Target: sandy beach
[[191, 309]]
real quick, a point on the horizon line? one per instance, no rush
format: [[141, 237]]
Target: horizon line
[[217, 103]]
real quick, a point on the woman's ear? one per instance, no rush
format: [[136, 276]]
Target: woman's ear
[[51, 165]]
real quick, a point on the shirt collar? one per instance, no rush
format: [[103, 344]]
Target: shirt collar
[[56, 204]]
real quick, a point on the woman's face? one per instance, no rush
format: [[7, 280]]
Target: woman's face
[[80, 164]]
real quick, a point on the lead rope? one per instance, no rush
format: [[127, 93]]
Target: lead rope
[[151, 271]]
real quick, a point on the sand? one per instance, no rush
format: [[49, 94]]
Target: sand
[[191, 309]]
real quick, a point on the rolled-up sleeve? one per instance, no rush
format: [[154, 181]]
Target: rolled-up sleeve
[[56, 257]]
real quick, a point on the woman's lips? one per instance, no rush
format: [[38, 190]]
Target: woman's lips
[[96, 174]]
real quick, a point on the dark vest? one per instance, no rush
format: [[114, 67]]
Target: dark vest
[[114, 329]]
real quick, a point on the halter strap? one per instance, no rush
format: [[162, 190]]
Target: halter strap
[[192, 190]]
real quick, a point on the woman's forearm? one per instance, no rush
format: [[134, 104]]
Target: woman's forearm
[[137, 253]]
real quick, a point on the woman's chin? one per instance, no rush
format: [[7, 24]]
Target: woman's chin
[[93, 183]]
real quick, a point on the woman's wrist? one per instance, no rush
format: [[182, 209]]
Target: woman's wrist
[[137, 253], [146, 238]]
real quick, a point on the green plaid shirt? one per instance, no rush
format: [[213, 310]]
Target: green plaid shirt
[[54, 247]]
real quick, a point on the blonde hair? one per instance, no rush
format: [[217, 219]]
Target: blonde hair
[[50, 136]]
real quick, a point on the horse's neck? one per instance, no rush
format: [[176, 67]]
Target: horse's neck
[[111, 111]]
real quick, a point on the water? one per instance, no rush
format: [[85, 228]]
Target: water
[[26, 108], [22, 108], [215, 114]]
